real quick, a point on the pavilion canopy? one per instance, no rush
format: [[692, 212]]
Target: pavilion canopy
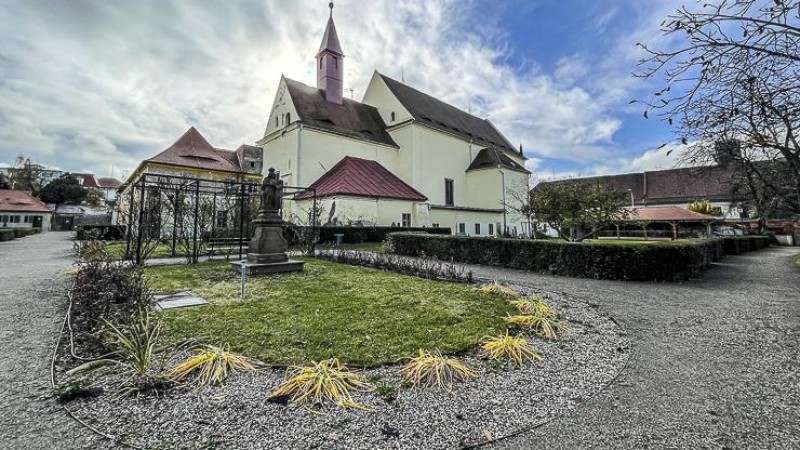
[[667, 214]]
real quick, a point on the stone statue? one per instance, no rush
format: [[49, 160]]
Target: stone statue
[[271, 192]]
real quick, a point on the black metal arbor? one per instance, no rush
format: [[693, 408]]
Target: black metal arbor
[[180, 215]]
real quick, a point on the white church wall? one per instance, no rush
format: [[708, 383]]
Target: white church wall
[[380, 96]]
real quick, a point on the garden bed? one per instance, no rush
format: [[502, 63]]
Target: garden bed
[[503, 400]]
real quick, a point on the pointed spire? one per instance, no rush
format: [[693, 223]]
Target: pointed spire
[[330, 40]]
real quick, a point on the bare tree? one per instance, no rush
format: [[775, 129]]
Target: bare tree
[[735, 77], [519, 202]]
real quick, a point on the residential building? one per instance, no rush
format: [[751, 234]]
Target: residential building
[[397, 156], [18, 209], [108, 185]]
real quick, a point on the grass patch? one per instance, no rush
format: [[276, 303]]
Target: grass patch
[[361, 316], [796, 259], [116, 250]]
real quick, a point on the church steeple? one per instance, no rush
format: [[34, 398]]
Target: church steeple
[[330, 63]]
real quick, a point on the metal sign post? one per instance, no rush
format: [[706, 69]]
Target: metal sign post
[[244, 278]]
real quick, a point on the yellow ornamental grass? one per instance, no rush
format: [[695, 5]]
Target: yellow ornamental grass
[[323, 382], [209, 366], [543, 326], [431, 369], [534, 306], [495, 288], [515, 348]]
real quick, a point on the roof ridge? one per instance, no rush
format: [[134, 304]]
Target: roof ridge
[[430, 95]]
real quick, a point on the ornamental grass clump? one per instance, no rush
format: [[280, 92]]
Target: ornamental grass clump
[[534, 306], [432, 369], [209, 366], [546, 327], [495, 288], [322, 383], [515, 348]]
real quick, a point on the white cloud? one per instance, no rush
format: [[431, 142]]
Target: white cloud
[[91, 85]]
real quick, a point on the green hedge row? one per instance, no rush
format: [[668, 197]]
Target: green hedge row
[[7, 234], [670, 260], [736, 245], [357, 235]]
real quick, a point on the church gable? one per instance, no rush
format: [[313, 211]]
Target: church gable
[[283, 111], [381, 97], [434, 113]]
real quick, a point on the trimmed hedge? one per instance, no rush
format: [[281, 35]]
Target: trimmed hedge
[[671, 260], [22, 232], [357, 235], [6, 234], [736, 245], [105, 232]]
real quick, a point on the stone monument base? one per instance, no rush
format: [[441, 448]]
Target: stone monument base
[[268, 268]]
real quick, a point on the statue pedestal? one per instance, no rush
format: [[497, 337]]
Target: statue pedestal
[[267, 251]]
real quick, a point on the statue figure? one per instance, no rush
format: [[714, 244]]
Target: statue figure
[[271, 192]]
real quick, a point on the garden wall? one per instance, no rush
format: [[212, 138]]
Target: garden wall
[[672, 260]]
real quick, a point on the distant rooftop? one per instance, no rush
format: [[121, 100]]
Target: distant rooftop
[[20, 201]]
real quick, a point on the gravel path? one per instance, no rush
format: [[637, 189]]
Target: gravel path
[[32, 305], [715, 362]]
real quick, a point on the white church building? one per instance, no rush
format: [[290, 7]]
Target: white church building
[[399, 156]]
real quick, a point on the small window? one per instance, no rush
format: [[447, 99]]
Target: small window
[[491, 229], [276, 121], [320, 62], [406, 222], [477, 229], [252, 164], [288, 118], [392, 116], [335, 62], [14, 219], [448, 192], [435, 225], [462, 228]]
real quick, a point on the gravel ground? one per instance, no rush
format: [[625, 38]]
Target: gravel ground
[[715, 362], [500, 402], [32, 284]]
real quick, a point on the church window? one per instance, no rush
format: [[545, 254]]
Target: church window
[[276, 121], [477, 229], [406, 220], [288, 118], [335, 63], [448, 192], [392, 116], [320, 63]]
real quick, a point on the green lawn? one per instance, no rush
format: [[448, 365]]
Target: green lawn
[[117, 249], [797, 260], [362, 316]]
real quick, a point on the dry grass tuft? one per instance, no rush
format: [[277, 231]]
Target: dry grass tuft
[[495, 288], [320, 383], [432, 369], [515, 348], [534, 306], [209, 366], [546, 327]]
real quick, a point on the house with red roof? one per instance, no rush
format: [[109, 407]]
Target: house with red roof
[[19, 209], [398, 155], [108, 185]]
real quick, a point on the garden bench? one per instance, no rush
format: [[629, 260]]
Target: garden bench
[[226, 246]]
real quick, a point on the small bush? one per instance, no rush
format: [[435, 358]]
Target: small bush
[[209, 366], [6, 234], [674, 260], [322, 383], [515, 348], [432, 369], [102, 232]]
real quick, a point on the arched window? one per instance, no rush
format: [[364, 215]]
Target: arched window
[[335, 62], [320, 62], [288, 118]]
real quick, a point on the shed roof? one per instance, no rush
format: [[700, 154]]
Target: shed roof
[[362, 178], [20, 201], [667, 214]]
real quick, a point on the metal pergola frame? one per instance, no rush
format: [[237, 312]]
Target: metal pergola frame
[[243, 192]]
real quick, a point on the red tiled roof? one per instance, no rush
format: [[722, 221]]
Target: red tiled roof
[[20, 201], [362, 178], [193, 150], [109, 182], [88, 179], [667, 214]]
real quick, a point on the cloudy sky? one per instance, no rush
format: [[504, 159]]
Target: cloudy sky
[[100, 85]]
